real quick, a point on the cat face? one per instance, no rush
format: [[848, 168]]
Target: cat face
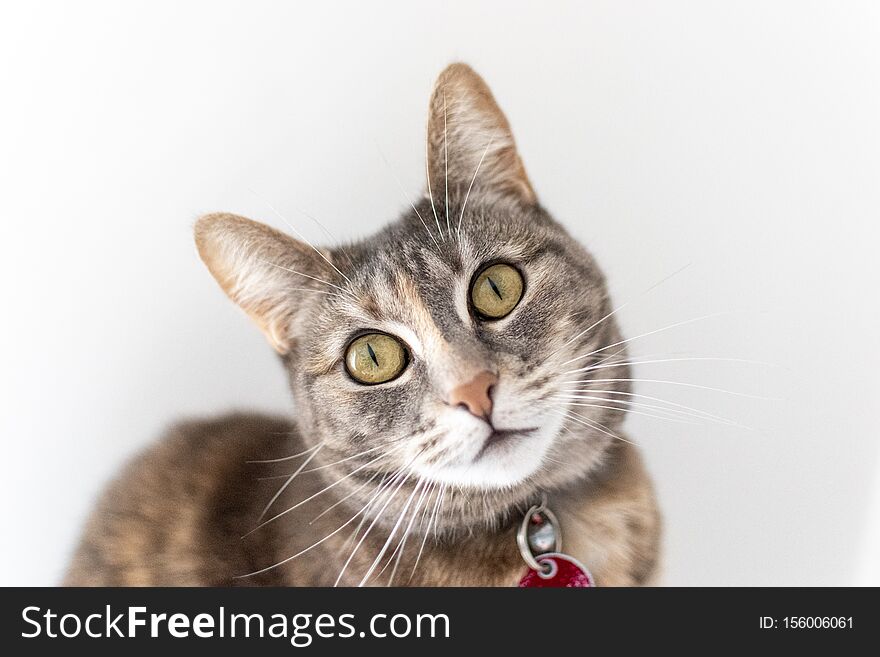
[[471, 399], [447, 346]]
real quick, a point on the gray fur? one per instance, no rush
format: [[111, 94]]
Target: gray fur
[[415, 275]]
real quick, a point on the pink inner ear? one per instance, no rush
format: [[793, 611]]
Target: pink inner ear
[[264, 271]]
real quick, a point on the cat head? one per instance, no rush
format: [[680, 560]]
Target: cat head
[[446, 350]]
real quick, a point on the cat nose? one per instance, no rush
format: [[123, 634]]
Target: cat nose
[[475, 395]]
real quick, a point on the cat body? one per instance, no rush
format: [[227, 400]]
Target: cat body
[[156, 528], [449, 372]]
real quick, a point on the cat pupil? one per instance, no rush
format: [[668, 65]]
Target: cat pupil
[[495, 288], [372, 354]]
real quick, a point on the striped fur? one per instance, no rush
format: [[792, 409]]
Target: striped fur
[[400, 450]]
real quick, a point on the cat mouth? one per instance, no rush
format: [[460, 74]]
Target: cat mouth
[[501, 437]]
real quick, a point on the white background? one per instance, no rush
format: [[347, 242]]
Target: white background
[[741, 139]]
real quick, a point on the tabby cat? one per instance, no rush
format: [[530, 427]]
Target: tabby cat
[[435, 368]]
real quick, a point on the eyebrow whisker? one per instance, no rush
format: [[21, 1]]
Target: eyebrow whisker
[[468, 193], [409, 200], [314, 278], [306, 240]]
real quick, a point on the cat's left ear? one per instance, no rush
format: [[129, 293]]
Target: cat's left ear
[[469, 140]]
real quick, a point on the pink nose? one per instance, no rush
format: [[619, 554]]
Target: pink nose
[[475, 395]]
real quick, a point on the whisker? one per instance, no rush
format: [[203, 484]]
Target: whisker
[[273, 477], [305, 239], [341, 500], [391, 496], [556, 461], [609, 358], [697, 411], [393, 531], [328, 465], [430, 193], [306, 289], [403, 472], [287, 458], [288, 482], [468, 193], [401, 546], [436, 489], [409, 200], [388, 480], [627, 410], [346, 459], [587, 330], [313, 545], [592, 424], [311, 497], [644, 335], [680, 383], [446, 160], [330, 236], [442, 499], [319, 280], [619, 308], [438, 502], [589, 368]]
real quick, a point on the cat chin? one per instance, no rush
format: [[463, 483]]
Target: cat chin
[[501, 466]]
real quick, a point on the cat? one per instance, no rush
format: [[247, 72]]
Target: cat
[[435, 368]]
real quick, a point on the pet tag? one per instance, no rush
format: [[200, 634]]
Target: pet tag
[[540, 541], [558, 571]]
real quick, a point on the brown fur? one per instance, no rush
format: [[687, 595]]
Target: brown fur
[[182, 513], [156, 528]]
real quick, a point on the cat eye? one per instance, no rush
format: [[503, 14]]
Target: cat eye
[[375, 358], [496, 290]]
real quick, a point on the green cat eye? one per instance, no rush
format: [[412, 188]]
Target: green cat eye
[[375, 358], [496, 291]]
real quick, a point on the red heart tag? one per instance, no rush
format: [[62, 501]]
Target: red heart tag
[[563, 571]]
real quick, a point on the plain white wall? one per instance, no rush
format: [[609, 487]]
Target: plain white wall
[[740, 139]]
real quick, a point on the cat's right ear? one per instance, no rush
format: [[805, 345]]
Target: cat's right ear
[[261, 269]]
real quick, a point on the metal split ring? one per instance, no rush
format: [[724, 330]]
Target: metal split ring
[[522, 537]]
